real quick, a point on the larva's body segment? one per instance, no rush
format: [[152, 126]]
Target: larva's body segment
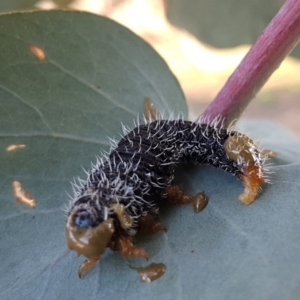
[[132, 181]]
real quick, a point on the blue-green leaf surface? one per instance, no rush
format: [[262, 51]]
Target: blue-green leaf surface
[[14, 5], [95, 75]]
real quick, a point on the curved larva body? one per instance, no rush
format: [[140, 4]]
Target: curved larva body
[[131, 182]]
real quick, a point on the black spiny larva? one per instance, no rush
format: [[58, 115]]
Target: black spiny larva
[[124, 189]]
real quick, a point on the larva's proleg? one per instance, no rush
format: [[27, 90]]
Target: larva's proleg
[[200, 202], [128, 249], [175, 196], [151, 272], [150, 224], [123, 190], [87, 264]]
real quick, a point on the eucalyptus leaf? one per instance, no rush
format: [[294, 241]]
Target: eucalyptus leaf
[[16, 5], [96, 74], [63, 3], [227, 23]]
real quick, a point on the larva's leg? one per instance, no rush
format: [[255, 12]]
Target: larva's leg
[[87, 264], [176, 196], [252, 180], [151, 114], [148, 224], [126, 247]]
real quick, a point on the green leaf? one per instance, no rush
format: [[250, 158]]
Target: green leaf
[[13, 5], [227, 23], [63, 3], [94, 76]]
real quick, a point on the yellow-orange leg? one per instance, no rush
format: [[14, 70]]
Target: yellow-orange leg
[[148, 224], [176, 196], [87, 264], [126, 247], [252, 180]]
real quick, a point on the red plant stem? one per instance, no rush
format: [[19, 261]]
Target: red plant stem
[[275, 43]]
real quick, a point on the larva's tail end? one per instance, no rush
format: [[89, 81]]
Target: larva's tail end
[[252, 179]]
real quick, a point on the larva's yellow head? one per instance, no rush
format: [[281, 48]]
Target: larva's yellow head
[[91, 225], [86, 240]]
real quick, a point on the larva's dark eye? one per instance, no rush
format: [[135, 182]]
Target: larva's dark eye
[[82, 219]]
